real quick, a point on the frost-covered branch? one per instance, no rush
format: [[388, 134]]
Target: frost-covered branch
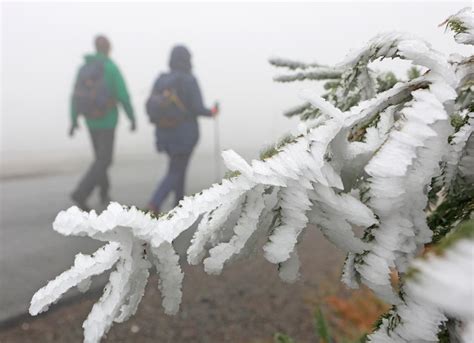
[[319, 73], [366, 161], [291, 64], [462, 24], [438, 286]]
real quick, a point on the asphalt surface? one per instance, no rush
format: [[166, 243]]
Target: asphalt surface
[[31, 253]]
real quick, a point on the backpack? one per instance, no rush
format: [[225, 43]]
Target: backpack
[[164, 106], [91, 97]]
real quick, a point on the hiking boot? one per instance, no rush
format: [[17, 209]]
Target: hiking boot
[[80, 203], [153, 210]]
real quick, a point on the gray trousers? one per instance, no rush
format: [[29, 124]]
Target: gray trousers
[[96, 176]]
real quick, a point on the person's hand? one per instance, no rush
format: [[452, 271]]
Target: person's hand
[[73, 129], [215, 109], [133, 126]]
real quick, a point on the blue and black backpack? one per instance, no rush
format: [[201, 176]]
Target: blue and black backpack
[[164, 106], [91, 97]]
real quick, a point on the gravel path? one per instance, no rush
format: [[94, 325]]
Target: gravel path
[[247, 303]]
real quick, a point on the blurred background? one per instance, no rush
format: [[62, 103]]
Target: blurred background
[[43, 44]]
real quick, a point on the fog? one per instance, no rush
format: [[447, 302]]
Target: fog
[[43, 45]]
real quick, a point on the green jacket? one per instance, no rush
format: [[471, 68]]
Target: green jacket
[[116, 84]]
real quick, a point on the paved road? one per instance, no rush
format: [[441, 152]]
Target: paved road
[[31, 253]]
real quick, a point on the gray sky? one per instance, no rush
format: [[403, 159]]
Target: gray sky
[[43, 45]]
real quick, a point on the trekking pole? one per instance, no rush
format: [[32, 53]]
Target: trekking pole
[[217, 148]]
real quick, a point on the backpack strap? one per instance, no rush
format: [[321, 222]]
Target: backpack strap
[[174, 97]]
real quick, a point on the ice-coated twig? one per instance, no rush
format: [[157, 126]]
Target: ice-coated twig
[[294, 204], [171, 276], [439, 285], [462, 24], [318, 73], [138, 281], [210, 224], [451, 271], [396, 193], [291, 64], [107, 309], [84, 267], [246, 225]]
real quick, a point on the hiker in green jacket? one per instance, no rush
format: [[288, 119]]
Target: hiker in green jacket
[[99, 88]]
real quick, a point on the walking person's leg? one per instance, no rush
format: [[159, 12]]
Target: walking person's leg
[[172, 182], [83, 188], [181, 166], [103, 142], [166, 185], [106, 152], [104, 182]]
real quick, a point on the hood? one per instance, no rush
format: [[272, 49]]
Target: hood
[[180, 59]]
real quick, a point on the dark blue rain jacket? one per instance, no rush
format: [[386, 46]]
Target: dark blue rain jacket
[[183, 138]]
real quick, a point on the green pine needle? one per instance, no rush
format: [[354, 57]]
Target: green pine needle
[[230, 174], [457, 26], [282, 338], [321, 327]]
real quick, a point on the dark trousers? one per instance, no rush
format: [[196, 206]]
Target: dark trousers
[[96, 176], [173, 180]]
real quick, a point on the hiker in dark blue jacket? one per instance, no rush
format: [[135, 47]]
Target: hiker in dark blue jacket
[[177, 130]]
